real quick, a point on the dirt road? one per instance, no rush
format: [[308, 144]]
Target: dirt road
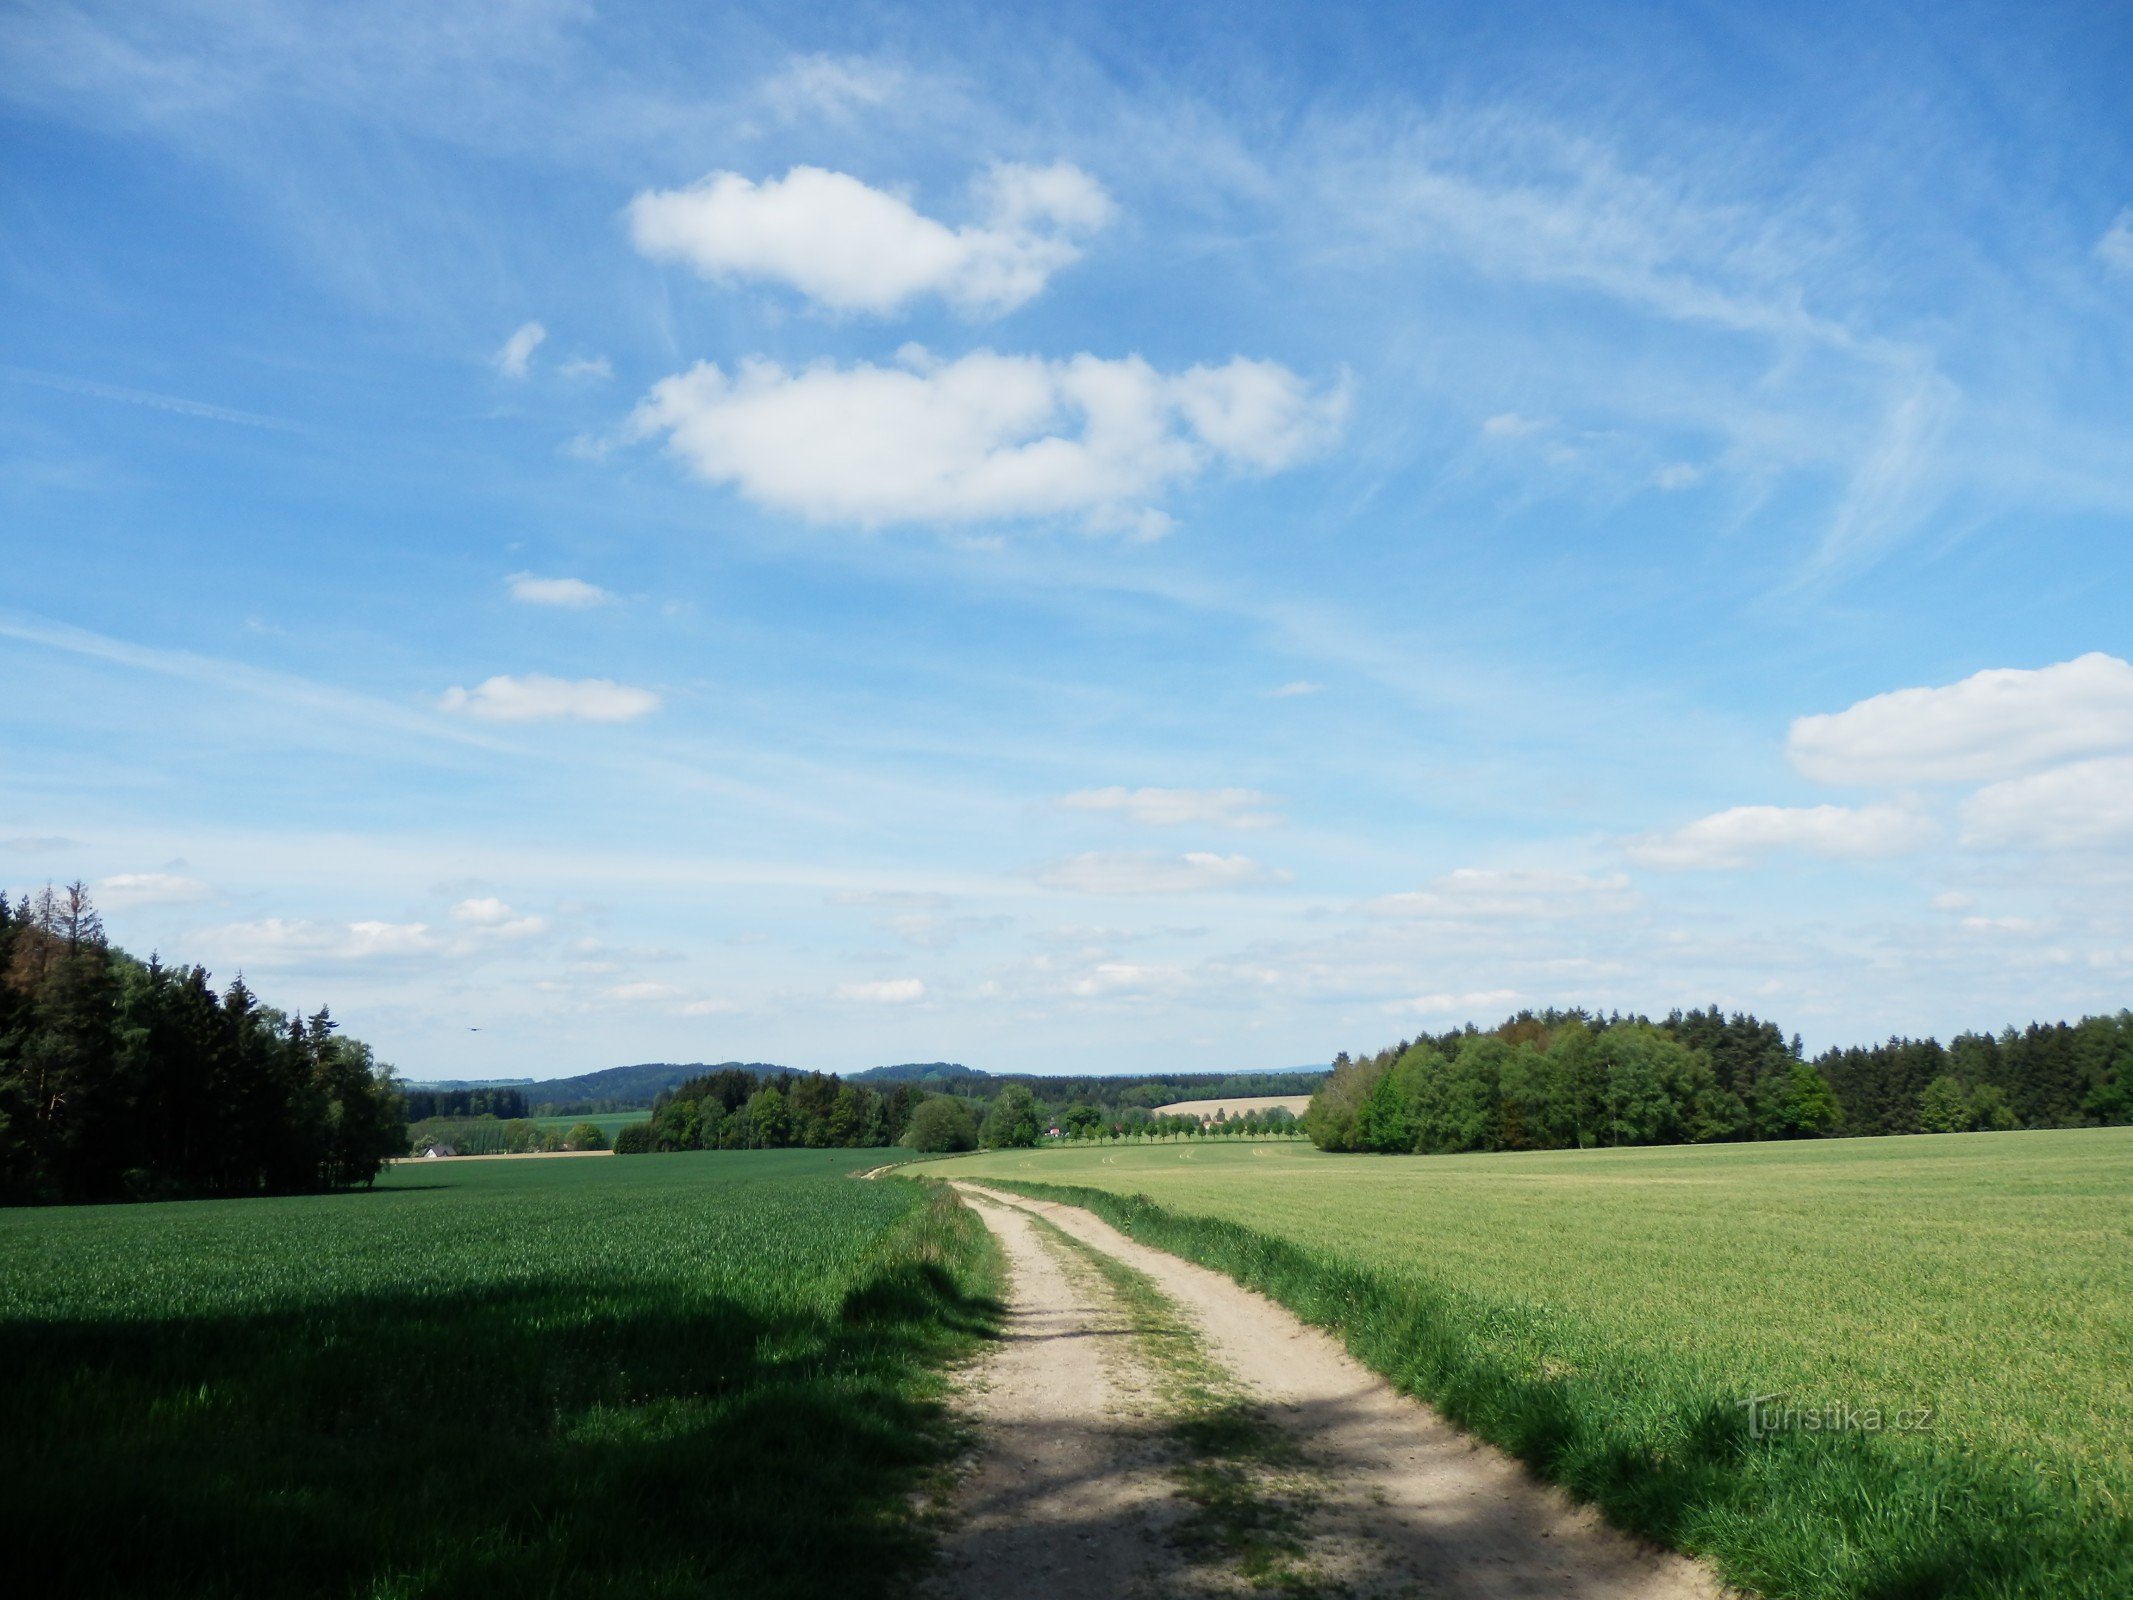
[[1094, 1477]]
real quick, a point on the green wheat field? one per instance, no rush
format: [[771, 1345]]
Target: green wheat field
[[1950, 1310], [693, 1375]]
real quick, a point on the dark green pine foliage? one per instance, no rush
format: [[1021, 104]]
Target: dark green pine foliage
[[125, 1080]]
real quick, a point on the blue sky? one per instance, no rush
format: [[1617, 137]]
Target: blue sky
[[1147, 537]]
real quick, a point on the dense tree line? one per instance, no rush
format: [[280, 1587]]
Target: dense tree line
[[487, 1136], [1565, 1079], [1111, 1096], [736, 1109], [125, 1080], [504, 1104]]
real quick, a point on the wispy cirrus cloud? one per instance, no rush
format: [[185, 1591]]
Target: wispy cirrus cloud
[[535, 697], [1475, 1005], [570, 593], [514, 358], [1133, 872], [834, 86], [1743, 835], [1171, 808], [883, 991], [2115, 248], [1489, 894], [127, 890]]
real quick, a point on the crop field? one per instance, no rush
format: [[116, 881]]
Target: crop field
[[1294, 1104], [608, 1122], [1945, 1324], [691, 1374]]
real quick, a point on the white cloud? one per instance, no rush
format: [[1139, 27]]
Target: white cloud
[[2115, 248], [1739, 836], [884, 992], [1163, 808], [276, 942], [493, 916], [708, 1008], [574, 593], [1121, 977], [832, 85], [1472, 1004], [126, 890], [596, 367], [515, 358], [852, 247], [639, 993], [1299, 686], [1152, 872], [2086, 805], [984, 437], [1677, 475], [1993, 724], [1478, 894], [1510, 425], [1953, 900], [537, 698]]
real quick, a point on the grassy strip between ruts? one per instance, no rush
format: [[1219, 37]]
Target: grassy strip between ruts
[[709, 1375], [1792, 1515], [1250, 1489]]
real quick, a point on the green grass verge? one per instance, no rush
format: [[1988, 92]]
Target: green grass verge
[[713, 1374], [1804, 1516]]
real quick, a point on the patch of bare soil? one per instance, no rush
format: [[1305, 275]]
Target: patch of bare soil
[[1402, 1502]]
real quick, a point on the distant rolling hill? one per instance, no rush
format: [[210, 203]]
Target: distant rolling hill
[[616, 1088]]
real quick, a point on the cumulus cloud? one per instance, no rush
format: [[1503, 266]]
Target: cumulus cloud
[[2115, 248], [125, 890], [2084, 805], [851, 247], [515, 358], [573, 593], [1471, 1004], [1152, 872], [1992, 725], [1481, 894], [537, 698], [985, 437], [1166, 808], [883, 992], [1738, 837]]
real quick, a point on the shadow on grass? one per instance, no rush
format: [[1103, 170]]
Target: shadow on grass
[[581, 1436], [1804, 1516]]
